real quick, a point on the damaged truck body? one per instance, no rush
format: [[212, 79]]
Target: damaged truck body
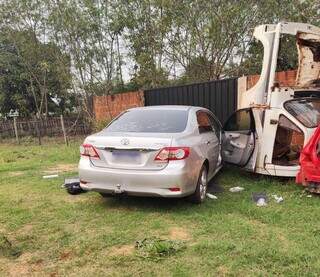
[[275, 122]]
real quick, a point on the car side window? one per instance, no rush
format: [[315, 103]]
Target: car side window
[[241, 120], [215, 124], [204, 123]]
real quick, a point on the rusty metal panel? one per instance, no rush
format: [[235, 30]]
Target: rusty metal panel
[[219, 96], [309, 60]]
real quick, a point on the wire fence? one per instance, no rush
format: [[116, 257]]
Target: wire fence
[[49, 127]]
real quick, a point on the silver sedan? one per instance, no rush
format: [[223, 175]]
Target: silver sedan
[[167, 151]]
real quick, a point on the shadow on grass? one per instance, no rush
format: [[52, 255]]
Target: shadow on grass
[[150, 204], [228, 177]]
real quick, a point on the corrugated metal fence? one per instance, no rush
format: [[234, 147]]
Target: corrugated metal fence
[[218, 96]]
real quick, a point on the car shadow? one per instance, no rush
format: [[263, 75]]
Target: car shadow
[[151, 204]]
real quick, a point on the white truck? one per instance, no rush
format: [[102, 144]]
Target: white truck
[[274, 122]]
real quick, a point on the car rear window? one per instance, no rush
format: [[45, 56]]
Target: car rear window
[[306, 110], [150, 121]]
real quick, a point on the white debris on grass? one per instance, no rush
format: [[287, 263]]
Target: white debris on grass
[[278, 199], [50, 176], [261, 202], [236, 189], [211, 196]]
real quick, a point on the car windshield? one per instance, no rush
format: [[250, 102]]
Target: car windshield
[[150, 121], [306, 110]]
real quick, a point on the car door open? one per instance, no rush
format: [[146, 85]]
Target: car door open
[[238, 138]]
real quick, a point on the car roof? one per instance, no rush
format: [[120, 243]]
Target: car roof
[[168, 107]]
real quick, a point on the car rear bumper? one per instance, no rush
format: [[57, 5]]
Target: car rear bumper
[[177, 174]]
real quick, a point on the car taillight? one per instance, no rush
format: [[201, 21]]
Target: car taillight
[[89, 151], [172, 154]]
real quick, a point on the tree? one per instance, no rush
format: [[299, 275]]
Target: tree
[[145, 24], [85, 30], [159, 42], [193, 37], [33, 74], [272, 12]]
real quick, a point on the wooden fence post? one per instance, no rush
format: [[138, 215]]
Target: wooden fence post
[[63, 130], [36, 123], [16, 129]]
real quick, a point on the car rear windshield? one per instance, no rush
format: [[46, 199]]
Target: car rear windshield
[[150, 121], [307, 111]]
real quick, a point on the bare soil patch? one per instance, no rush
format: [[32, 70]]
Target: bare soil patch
[[123, 250], [15, 173], [66, 255], [178, 233], [23, 266], [61, 168]]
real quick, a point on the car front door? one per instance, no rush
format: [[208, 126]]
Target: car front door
[[238, 138], [210, 141]]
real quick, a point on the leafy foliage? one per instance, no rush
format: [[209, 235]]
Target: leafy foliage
[[33, 74], [71, 50], [274, 11]]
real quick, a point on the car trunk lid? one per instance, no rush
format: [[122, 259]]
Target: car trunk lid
[[131, 151]]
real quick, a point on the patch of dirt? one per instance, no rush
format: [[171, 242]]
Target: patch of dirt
[[223, 270], [15, 173], [19, 270], [25, 258], [124, 250], [284, 241], [61, 168], [178, 233], [65, 255], [26, 229], [23, 266]]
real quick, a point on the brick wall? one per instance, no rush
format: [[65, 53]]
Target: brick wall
[[107, 107], [284, 78]]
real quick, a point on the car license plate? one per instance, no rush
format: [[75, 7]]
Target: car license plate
[[126, 156]]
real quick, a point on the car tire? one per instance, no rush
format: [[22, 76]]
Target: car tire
[[202, 184], [74, 189]]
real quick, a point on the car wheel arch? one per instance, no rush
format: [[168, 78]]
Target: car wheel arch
[[206, 164]]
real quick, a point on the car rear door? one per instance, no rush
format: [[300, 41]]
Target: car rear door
[[210, 141], [238, 138]]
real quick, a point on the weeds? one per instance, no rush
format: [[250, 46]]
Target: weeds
[[7, 249], [155, 248]]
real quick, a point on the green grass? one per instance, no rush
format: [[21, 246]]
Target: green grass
[[86, 235]]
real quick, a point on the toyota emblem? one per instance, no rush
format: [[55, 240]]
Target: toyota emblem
[[124, 141]]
